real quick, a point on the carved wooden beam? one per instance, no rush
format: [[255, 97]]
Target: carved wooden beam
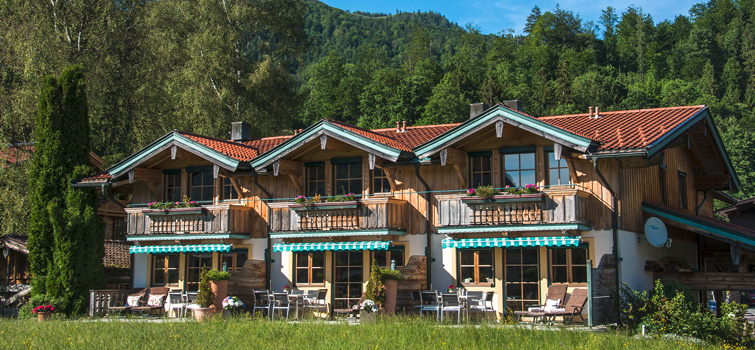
[[499, 129], [390, 174], [557, 148], [297, 183], [153, 188], [572, 170], [452, 156], [288, 167], [236, 186], [173, 150], [460, 175]]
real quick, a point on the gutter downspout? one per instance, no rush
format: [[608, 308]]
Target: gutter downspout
[[428, 211], [107, 196], [614, 229], [269, 249]]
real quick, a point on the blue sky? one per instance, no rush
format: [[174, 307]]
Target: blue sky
[[494, 16]]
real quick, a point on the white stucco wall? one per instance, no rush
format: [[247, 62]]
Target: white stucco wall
[[141, 265], [258, 248], [635, 251]]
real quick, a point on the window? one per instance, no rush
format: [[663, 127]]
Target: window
[[558, 170], [234, 260], [310, 267], [476, 266], [480, 169], [229, 192], [315, 179], [519, 169], [380, 183], [200, 186], [522, 277], [348, 176], [164, 269], [194, 265], [384, 257], [682, 190], [172, 185], [568, 265]]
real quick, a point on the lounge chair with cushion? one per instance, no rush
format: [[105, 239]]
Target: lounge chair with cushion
[[319, 301], [554, 298], [133, 298], [353, 310], [575, 303], [155, 302]]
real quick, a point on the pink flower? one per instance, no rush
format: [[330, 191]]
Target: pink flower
[[470, 191]]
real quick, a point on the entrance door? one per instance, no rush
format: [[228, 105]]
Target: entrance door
[[194, 264], [522, 275], [347, 284]]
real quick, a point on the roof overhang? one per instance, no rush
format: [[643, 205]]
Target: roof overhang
[[513, 228], [331, 234], [734, 235], [324, 127], [508, 116], [174, 138]]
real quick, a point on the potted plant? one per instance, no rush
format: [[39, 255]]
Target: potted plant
[[452, 289], [219, 284], [43, 312], [390, 278], [233, 305], [368, 311], [374, 292], [205, 298]]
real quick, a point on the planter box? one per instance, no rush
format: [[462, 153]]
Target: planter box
[[325, 206], [505, 198], [174, 211]]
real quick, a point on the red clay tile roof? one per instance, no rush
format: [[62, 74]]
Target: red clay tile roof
[[625, 129], [101, 177], [416, 135], [382, 138], [266, 143], [15, 154], [232, 149], [116, 254]]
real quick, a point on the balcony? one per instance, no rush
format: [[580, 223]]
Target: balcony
[[551, 210], [367, 216], [208, 221]]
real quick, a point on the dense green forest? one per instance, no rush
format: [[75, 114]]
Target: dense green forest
[[153, 66]]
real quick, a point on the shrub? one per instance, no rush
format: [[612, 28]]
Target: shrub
[[215, 275], [388, 274], [205, 296], [375, 290], [661, 313]]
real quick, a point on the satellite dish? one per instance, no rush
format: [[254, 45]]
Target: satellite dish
[[655, 232]]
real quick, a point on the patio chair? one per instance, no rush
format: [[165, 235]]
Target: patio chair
[[133, 298], [574, 306], [177, 302], [353, 310], [483, 304], [450, 303], [261, 301], [429, 302], [280, 301], [319, 302], [191, 302], [155, 302], [554, 298], [416, 299]]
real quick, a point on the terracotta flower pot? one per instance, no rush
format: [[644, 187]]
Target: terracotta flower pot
[[42, 316], [203, 313], [391, 287], [220, 288]]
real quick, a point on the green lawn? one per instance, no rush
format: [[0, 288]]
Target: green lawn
[[255, 334]]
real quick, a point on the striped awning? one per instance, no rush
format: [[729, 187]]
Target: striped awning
[[321, 246], [198, 248], [500, 242]]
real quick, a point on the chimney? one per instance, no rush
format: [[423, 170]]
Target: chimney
[[398, 127], [240, 131], [476, 109], [403, 128], [597, 112], [590, 111], [514, 104]]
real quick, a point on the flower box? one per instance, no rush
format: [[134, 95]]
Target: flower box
[[174, 211], [505, 198], [325, 206]]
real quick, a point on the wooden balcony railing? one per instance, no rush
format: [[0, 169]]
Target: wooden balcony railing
[[364, 214], [208, 219], [549, 207]]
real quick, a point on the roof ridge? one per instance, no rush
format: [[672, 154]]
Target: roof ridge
[[215, 139], [622, 111], [416, 127]]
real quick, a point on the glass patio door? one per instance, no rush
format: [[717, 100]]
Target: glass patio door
[[348, 275], [194, 264], [522, 275]]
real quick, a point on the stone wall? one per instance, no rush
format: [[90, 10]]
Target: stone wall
[[243, 282]]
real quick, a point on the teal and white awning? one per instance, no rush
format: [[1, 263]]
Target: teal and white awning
[[193, 248], [322, 246], [501, 242]]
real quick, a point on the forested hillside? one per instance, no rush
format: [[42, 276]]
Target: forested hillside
[[197, 65]]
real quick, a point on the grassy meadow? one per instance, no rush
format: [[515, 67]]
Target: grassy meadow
[[247, 333]]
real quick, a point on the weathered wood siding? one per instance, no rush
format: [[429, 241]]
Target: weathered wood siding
[[370, 213]]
